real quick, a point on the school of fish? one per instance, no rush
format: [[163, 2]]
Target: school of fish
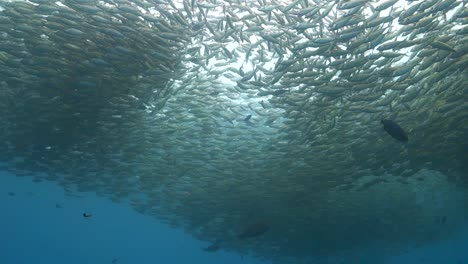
[[321, 126]]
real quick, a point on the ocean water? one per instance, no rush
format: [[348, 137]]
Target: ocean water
[[40, 224]]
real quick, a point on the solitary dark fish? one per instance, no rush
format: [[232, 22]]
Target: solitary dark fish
[[212, 248], [247, 118], [115, 260], [87, 215], [58, 205], [11, 193], [443, 220], [254, 230], [394, 130]]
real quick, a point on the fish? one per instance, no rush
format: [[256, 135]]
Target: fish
[[442, 46], [278, 92], [215, 246], [212, 248], [254, 230], [394, 130], [443, 219], [85, 215], [159, 86]]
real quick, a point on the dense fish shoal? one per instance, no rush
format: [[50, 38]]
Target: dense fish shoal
[[208, 114]]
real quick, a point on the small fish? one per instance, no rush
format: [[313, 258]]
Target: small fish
[[442, 46], [254, 230], [212, 248], [87, 215], [247, 118], [394, 130], [279, 92], [443, 220], [58, 205], [11, 193], [115, 260]]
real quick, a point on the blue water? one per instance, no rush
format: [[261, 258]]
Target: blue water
[[39, 224], [34, 230]]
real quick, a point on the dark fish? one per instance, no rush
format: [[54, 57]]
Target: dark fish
[[115, 260], [87, 215], [58, 205], [11, 193], [248, 118], [279, 92], [443, 220], [212, 248], [394, 130], [254, 230]]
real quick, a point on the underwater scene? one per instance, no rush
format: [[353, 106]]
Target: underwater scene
[[234, 131]]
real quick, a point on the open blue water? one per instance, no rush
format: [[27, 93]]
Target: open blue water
[[39, 224], [34, 230]]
